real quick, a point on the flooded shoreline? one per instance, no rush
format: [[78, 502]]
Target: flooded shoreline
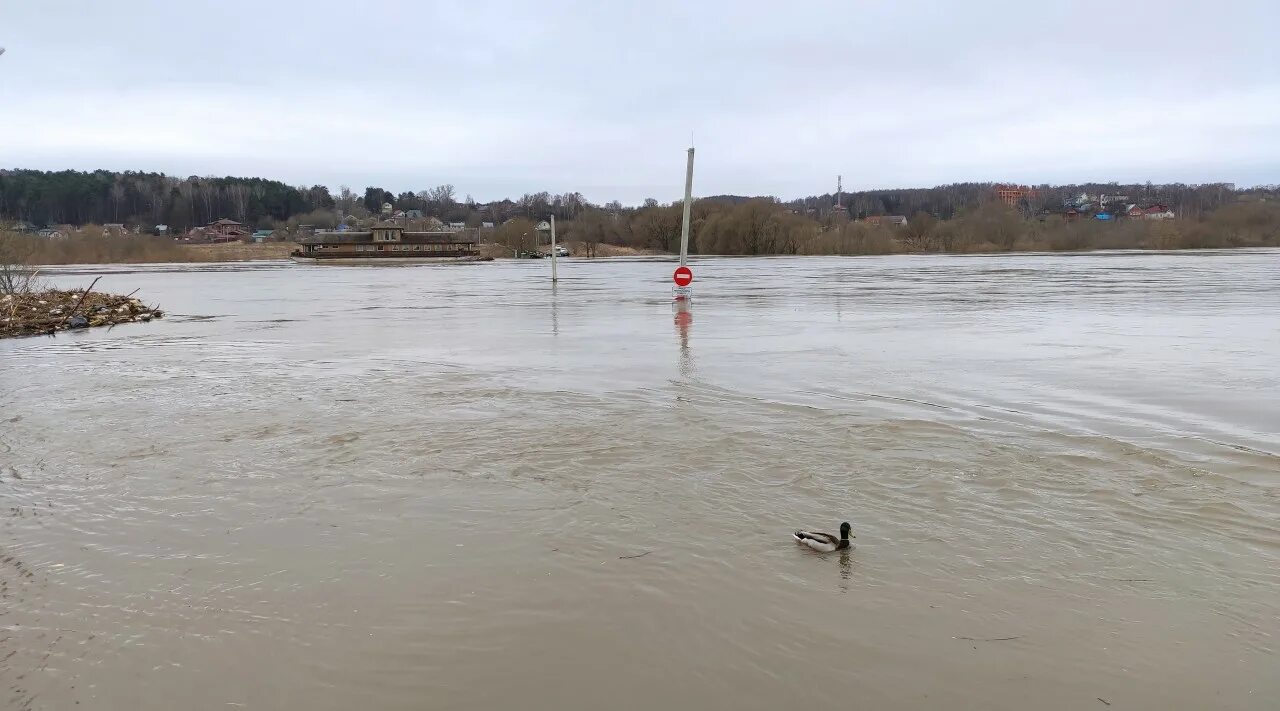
[[457, 487]]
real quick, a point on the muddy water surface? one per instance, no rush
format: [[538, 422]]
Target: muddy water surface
[[452, 487]]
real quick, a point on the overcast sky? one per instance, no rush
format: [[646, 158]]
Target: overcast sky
[[601, 97]]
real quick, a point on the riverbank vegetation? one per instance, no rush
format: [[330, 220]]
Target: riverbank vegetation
[[67, 206], [88, 248], [764, 227], [754, 227]]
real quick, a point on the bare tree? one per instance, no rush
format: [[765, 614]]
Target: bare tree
[[117, 196], [239, 196], [16, 277], [442, 196], [346, 199]]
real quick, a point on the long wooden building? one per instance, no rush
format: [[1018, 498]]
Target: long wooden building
[[389, 241]]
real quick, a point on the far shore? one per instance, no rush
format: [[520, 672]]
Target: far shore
[[159, 251]]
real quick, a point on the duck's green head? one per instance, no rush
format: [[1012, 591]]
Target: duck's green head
[[844, 530]]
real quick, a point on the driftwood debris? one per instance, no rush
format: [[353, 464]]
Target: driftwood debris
[[79, 301], [47, 312]]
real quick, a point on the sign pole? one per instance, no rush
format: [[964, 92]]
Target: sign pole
[[688, 202], [554, 278]]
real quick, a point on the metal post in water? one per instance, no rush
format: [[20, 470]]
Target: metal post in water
[[688, 203], [554, 278]]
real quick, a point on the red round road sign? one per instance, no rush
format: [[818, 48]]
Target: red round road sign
[[683, 276]]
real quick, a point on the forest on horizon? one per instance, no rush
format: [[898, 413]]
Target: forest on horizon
[[138, 198]]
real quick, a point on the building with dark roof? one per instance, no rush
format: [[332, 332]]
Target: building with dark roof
[[389, 240]]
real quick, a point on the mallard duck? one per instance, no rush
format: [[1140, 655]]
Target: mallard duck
[[825, 542]]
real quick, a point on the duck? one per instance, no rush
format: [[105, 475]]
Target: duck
[[825, 542]]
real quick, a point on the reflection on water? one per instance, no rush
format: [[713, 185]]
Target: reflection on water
[[332, 488], [683, 309], [555, 309]]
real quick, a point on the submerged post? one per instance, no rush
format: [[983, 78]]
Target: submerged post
[[554, 278], [688, 203]]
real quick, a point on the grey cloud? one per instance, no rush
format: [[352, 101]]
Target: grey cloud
[[504, 98]]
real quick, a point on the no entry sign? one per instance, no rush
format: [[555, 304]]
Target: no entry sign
[[683, 276]]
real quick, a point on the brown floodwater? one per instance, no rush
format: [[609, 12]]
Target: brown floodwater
[[454, 487]]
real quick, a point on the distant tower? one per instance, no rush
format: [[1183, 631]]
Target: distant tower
[[840, 208]]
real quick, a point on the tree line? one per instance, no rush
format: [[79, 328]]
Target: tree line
[[725, 224], [100, 197], [148, 199], [769, 227], [947, 201]]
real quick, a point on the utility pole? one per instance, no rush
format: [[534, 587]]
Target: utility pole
[[688, 203], [554, 278]]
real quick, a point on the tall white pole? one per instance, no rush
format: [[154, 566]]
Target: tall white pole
[[688, 203], [554, 278]]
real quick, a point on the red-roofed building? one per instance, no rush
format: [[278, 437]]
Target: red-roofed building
[[1013, 194], [225, 230], [1150, 212]]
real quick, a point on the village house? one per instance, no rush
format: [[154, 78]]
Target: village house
[[224, 230], [1150, 212], [1013, 194], [887, 220]]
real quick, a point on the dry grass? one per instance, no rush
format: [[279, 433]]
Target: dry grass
[[576, 249], [996, 228], [236, 251], [130, 249], [584, 249], [752, 228]]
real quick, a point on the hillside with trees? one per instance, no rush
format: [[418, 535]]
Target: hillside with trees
[[962, 217], [768, 227], [946, 201], [71, 197]]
